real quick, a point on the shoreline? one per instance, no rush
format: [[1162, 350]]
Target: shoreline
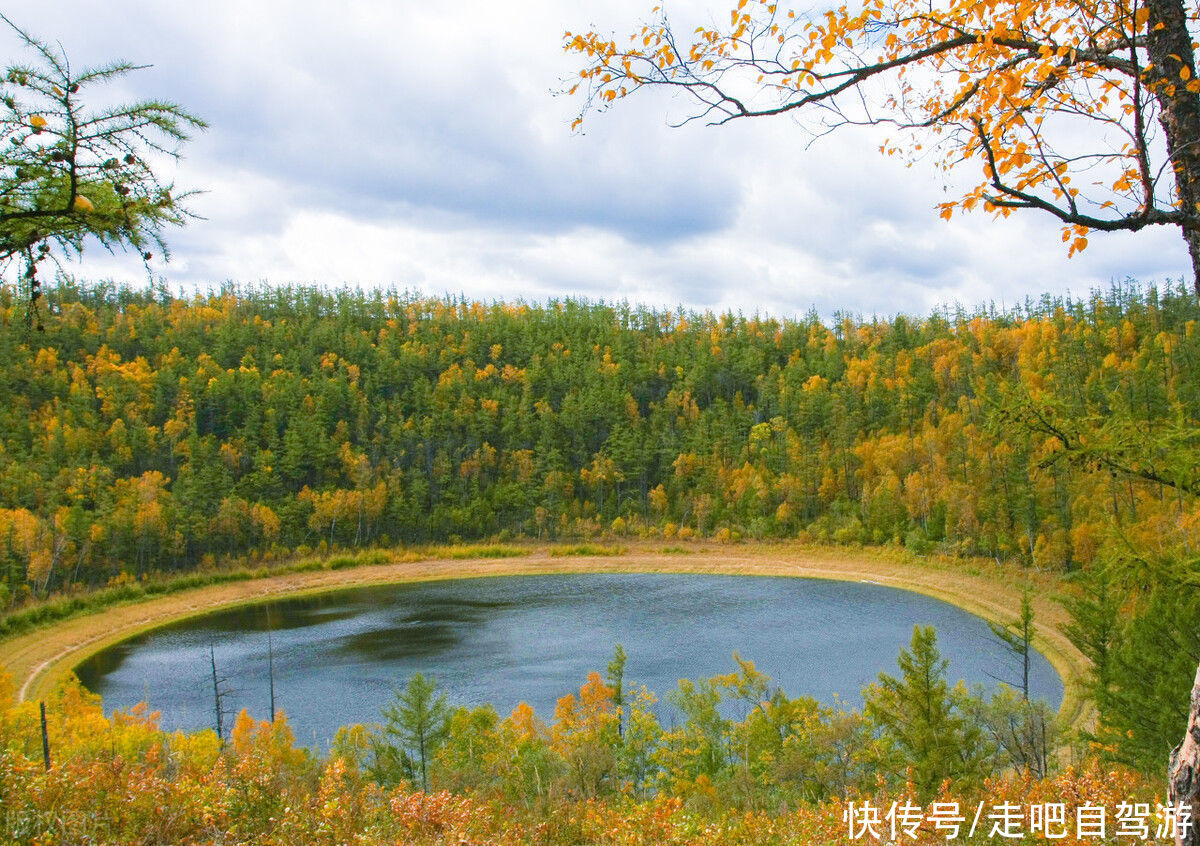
[[38, 659]]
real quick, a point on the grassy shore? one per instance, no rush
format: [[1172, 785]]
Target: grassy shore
[[37, 659]]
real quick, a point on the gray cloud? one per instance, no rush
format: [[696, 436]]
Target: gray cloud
[[379, 142]]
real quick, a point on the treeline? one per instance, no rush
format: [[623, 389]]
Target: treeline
[[143, 431], [734, 740]]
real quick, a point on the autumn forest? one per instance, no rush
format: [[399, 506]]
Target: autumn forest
[[149, 437], [146, 432]]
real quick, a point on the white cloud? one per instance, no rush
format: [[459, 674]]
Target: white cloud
[[372, 142]]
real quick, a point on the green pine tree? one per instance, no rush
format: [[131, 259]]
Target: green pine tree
[[925, 719], [1017, 637], [69, 173], [418, 719]]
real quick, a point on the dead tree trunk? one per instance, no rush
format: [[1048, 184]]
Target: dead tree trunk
[[1184, 773], [218, 694], [45, 739]]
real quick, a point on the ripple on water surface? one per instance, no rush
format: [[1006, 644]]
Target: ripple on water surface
[[338, 656]]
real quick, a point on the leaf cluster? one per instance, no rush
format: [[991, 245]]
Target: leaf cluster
[[69, 171]]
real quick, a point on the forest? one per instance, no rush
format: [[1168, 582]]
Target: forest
[[145, 432]]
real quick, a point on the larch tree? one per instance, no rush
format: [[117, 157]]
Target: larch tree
[[920, 714], [1017, 638], [1088, 111], [418, 716], [69, 172]]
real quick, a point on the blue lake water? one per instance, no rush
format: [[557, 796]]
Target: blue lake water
[[338, 657]]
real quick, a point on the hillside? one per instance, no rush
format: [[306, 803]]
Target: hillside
[[143, 431]]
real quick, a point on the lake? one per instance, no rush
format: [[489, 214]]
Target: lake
[[338, 656]]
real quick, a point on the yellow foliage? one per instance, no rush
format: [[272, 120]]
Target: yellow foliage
[[525, 723], [981, 78]]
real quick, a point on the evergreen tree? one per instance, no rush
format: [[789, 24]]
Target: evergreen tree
[[1017, 638], [68, 172], [418, 719], [615, 676], [925, 719], [1143, 707]]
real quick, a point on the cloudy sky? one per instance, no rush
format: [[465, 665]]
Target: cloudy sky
[[420, 145]]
